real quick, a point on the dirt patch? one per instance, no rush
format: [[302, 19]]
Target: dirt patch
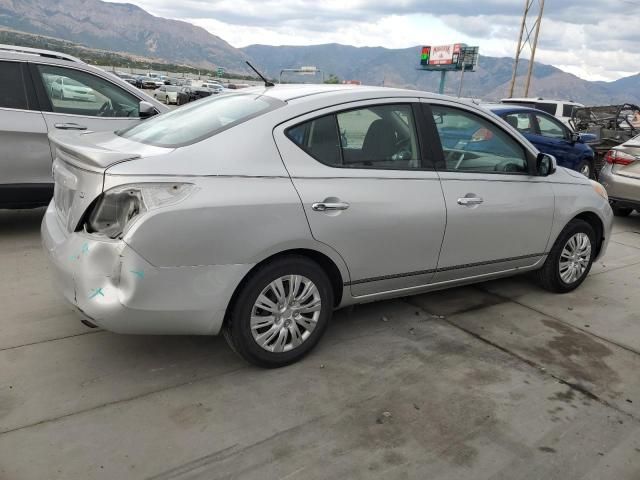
[[581, 355]]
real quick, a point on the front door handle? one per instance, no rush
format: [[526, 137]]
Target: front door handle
[[469, 201], [329, 206], [69, 126]]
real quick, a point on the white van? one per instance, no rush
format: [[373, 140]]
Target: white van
[[561, 109]]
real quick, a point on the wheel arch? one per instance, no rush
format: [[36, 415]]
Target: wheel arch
[[597, 224], [324, 261]]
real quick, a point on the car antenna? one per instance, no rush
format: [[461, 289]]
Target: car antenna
[[267, 83]]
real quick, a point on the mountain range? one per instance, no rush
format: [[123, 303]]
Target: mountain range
[[131, 30]]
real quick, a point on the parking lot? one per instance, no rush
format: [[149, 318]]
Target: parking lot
[[501, 380]]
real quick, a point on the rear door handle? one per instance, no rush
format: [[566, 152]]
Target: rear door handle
[[329, 206], [468, 201], [69, 126]]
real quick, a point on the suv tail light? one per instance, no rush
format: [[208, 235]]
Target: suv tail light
[[616, 157]]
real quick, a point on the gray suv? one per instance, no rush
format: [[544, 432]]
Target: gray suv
[[43, 91]]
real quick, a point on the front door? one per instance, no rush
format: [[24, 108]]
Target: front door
[[499, 215], [73, 99], [369, 191]]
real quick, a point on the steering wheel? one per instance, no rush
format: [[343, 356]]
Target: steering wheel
[[105, 108], [507, 166]]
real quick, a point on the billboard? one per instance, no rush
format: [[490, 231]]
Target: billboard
[[445, 54]]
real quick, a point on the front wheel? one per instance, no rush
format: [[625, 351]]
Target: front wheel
[[570, 259], [586, 168], [280, 313]]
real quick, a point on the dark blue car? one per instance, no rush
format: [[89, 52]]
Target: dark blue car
[[550, 135]]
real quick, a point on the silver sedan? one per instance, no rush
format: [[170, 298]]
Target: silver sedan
[[257, 214]]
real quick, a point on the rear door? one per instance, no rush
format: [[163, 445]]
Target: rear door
[[499, 215], [88, 103], [369, 191], [25, 156]]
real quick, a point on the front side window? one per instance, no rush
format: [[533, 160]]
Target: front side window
[[550, 127], [377, 137], [80, 93], [471, 143], [197, 121], [13, 92]]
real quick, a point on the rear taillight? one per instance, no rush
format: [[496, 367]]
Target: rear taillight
[[616, 157]]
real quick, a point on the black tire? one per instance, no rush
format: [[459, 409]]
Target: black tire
[[621, 211], [590, 166], [549, 275], [237, 328]]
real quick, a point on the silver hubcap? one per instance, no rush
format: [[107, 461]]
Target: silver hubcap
[[585, 170], [575, 258], [285, 313]]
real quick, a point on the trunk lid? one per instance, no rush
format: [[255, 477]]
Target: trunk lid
[[80, 160]]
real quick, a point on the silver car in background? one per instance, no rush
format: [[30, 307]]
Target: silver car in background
[[621, 177], [42, 91], [258, 213]]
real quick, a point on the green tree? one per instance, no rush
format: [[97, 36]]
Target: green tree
[[332, 79]]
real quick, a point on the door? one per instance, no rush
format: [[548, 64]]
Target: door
[[73, 99], [25, 156], [369, 191], [499, 215], [553, 137]]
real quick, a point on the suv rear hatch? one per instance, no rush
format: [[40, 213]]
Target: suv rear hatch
[[80, 161]]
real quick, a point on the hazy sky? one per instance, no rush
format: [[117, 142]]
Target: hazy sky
[[594, 39]]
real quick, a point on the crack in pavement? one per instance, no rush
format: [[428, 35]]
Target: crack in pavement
[[51, 340]]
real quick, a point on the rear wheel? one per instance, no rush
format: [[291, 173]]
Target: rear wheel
[[570, 259], [280, 312]]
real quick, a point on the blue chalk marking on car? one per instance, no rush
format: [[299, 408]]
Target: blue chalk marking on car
[[85, 248], [96, 292], [140, 274]]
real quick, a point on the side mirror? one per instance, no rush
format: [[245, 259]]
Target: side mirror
[[545, 164], [575, 137], [146, 110]]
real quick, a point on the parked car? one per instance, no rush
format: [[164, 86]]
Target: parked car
[[561, 109], [66, 88], [147, 82], [44, 91], [621, 177], [551, 136], [180, 225], [167, 94], [190, 94]]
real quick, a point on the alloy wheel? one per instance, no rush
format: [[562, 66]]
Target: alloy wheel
[[285, 313], [575, 258]]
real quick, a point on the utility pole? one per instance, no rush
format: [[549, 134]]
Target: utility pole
[[531, 8]]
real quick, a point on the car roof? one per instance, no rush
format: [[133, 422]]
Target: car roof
[[290, 92], [505, 108]]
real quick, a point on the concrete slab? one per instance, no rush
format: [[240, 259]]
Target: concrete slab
[[397, 399]]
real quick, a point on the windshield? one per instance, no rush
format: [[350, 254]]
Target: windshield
[[195, 122], [172, 88]]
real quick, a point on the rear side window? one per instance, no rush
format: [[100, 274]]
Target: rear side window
[[376, 137], [567, 110], [550, 108], [195, 122], [13, 92]]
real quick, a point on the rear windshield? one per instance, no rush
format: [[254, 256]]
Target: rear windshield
[[194, 122]]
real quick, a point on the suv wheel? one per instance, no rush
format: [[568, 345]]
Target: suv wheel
[[280, 313], [586, 168], [570, 259], [621, 211]]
